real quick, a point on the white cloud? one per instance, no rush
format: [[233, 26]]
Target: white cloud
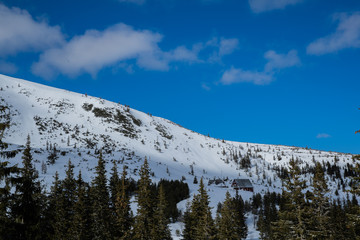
[[221, 47], [228, 46], [237, 75], [275, 62], [280, 61], [95, 50], [20, 32], [7, 68], [323, 135], [347, 35], [181, 53], [258, 6]]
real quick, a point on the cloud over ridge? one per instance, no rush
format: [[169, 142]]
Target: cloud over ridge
[[20, 32]]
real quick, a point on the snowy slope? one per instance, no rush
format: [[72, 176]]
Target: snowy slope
[[78, 125]]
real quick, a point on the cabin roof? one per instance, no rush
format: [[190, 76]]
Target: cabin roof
[[245, 183]]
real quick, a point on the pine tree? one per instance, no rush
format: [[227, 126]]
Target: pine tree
[[144, 218], [101, 217], [293, 214], [338, 222], [225, 221], [68, 200], [81, 224], [4, 111], [28, 207], [320, 206], [189, 231], [53, 209], [267, 215], [205, 228], [123, 215], [354, 214], [239, 216], [114, 185], [8, 179], [160, 229]]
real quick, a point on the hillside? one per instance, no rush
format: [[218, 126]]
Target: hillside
[[78, 126]]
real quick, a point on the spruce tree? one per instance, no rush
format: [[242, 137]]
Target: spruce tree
[[68, 200], [114, 185], [293, 215], [320, 228], [160, 229], [189, 231], [101, 217], [239, 216], [28, 207], [268, 214], [144, 217], [354, 214], [123, 215], [205, 227], [225, 221], [54, 208], [81, 227], [8, 179]]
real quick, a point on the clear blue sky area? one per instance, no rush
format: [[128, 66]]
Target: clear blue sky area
[[265, 71]]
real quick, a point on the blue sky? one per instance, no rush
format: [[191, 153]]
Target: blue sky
[[278, 72]]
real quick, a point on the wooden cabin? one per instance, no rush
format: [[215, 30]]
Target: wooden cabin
[[242, 184], [218, 182]]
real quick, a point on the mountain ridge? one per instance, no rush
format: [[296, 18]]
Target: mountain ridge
[[78, 126]]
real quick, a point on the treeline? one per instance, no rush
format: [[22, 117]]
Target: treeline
[[300, 214], [75, 209]]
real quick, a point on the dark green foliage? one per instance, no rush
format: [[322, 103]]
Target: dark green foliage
[[87, 106], [125, 126], [188, 232], [82, 213], [4, 124], [176, 191], [99, 112], [53, 209], [101, 217], [354, 214], [53, 156], [245, 162], [144, 217], [231, 219], [268, 214], [8, 179], [240, 219], [160, 228], [198, 220], [123, 215], [114, 184], [66, 205], [163, 132], [319, 226], [294, 213], [27, 206]]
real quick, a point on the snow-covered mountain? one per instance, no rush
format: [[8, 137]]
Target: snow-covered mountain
[[78, 125]]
